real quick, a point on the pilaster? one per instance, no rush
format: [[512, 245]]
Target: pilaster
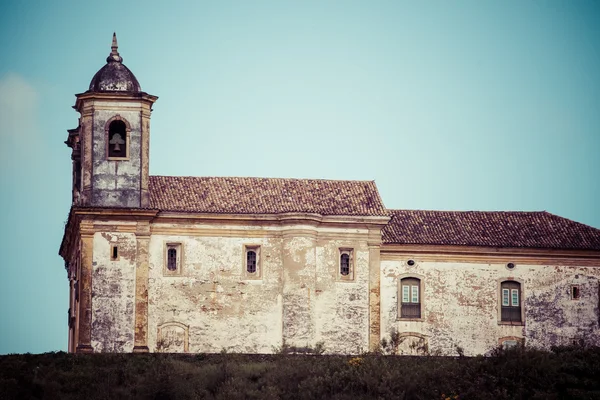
[[374, 243], [141, 287], [145, 156], [84, 337], [86, 138], [299, 284]]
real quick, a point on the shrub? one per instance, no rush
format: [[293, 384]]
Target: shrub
[[564, 372]]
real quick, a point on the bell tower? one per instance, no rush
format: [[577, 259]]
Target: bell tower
[[111, 144]]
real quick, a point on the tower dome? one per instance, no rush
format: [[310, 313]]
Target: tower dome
[[114, 76]]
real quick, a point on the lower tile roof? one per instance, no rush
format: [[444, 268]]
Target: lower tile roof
[[265, 196], [494, 229]]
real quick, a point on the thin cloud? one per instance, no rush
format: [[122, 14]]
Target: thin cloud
[[19, 133]]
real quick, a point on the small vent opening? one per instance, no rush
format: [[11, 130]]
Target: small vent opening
[[575, 292], [114, 253]]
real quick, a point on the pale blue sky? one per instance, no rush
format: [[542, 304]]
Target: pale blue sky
[[461, 105]]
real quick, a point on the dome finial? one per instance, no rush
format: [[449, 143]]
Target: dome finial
[[114, 54]]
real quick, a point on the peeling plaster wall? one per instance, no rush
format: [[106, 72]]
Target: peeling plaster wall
[[299, 275], [221, 308], [113, 293], [299, 299], [461, 302], [553, 318], [342, 307], [116, 183]]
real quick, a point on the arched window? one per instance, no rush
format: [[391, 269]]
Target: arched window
[[251, 261], [173, 256], [410, 292], [117, 139], [510, 301], [345, 264], [510, 342]]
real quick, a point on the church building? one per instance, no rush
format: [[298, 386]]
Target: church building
[[254, 265]]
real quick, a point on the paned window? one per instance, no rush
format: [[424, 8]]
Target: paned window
[[514, 298], [511, 301], [410, 306], [505, 297]]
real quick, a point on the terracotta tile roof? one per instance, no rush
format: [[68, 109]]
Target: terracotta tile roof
[[265, 196], [495, 229]]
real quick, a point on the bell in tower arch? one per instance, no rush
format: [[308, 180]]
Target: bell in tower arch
[[117, 139]]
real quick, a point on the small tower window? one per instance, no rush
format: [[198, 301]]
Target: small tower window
[[346, 267], [172, 259], [345, 264], [575, 292], [117, 139], [173, 256], [114, 252], [251, 261]]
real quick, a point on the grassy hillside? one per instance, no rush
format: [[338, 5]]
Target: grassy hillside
[[515, 374]]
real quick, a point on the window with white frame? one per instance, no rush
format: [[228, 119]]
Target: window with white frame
[[510, 301], [410, 298]]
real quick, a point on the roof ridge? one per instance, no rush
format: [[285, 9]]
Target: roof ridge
[[262, 177], [471, 211]]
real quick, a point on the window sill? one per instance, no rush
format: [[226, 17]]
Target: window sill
[[511, 323], [400, 319]]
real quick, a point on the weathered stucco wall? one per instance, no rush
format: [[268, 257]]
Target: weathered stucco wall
[[342, 306], [552, 317], [461, 303], [116, 183], [212, 299], [298, 288], [113, 292], [299, 299]]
